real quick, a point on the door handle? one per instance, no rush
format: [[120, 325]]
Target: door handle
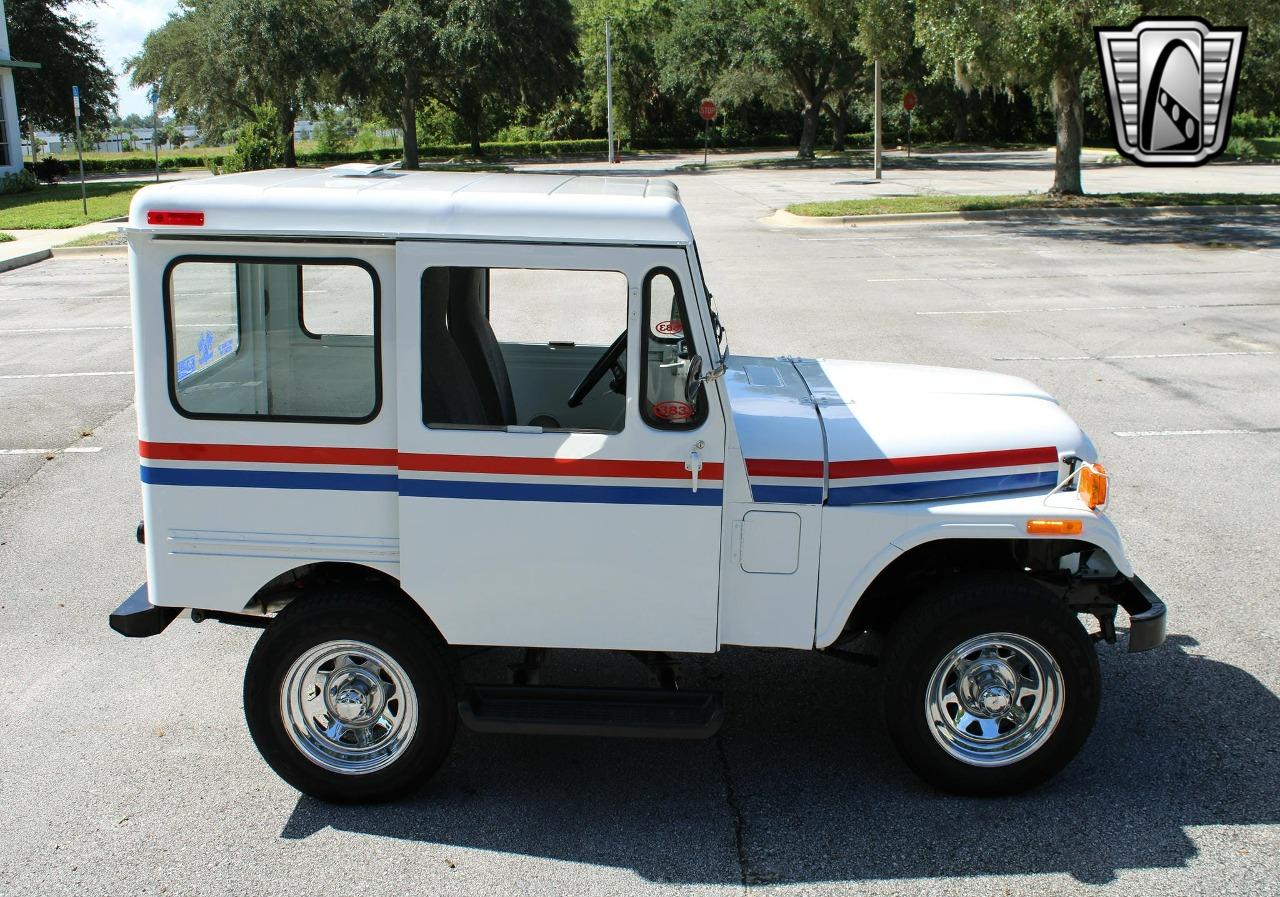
[[693, 465]]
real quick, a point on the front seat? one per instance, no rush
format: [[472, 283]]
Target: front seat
[[475, 339], [449, 393]]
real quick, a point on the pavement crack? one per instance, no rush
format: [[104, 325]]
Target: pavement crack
[[739, 819]]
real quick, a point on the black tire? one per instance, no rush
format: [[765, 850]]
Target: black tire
[[398, 632], [948, 617]]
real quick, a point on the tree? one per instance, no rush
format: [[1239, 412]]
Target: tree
[[41, 31], [216, 60], [728, 45], [395, 42], [1046, 45], [636, 27], [501, 53]]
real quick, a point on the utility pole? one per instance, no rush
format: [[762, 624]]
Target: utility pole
[[608, 87], [155, 128], [75, 100], [877, 124]]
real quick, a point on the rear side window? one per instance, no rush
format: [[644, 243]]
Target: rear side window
[[273, 339]]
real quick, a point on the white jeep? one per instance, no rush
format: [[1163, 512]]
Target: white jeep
[[386, 414]]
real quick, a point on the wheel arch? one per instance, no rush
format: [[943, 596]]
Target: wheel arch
[[294, 585], [896, 577]]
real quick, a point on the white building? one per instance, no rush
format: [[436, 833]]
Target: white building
[[10, 138]]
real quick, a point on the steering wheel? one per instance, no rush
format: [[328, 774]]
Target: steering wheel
[[606, 362]]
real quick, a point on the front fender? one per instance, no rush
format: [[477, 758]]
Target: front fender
[[991, 517]]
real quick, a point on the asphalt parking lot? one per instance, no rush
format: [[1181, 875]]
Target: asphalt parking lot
[[129, 769]]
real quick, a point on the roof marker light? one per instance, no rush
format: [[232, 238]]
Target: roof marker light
[[177, 219]]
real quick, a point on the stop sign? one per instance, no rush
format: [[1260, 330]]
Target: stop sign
[[707, 110], [909, 100]]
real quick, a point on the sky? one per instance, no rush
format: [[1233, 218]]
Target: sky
[[121, 26]]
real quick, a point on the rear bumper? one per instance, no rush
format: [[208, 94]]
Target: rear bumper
[[137, 617], [1148, 616]]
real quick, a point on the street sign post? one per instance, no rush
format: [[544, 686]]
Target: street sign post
[[707, 109], [909, 103], [75, 101]]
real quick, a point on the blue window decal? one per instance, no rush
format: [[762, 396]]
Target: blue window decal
[[186, 367], [204, 348], [226, 347]]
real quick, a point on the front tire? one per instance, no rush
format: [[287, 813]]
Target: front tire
[[991, 685], [348, 697]]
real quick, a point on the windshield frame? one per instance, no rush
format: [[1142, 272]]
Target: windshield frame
[[718, 341]]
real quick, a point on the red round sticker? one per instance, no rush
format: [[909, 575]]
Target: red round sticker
[[669, 328], [673, 410]]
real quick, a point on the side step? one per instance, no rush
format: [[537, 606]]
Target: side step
[[617, 712]]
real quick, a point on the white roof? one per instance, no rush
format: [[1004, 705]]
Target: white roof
[[403, 204]]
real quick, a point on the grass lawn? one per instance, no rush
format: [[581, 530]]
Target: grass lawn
[[111, 238], [1268, 147], [59, 206], [897, 205]]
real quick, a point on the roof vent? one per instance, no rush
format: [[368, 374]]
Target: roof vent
[[361, 169]]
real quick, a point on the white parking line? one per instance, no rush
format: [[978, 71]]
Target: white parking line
[[1069, 308], [1235, 432], [72, 374], [1126, 357], [56, 298], [64, 329], [71, 450]]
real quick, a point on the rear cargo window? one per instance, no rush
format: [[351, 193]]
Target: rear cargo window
[[273, 339]]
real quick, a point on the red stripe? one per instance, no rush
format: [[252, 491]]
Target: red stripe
[[561, 467], [765, 467], [267, 454], [880, 467], [371, 457]]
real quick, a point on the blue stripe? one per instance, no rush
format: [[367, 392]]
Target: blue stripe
[[934, 489], [560, 492], [365, 482], [268, 479], [791, 495]]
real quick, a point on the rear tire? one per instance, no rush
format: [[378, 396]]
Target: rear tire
[[348, 697], [991, 685]]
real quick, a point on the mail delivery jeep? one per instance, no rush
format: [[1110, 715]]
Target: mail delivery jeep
[[393, 418]]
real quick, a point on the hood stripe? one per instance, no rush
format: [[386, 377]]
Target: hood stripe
[[881, 467], [764, 474]]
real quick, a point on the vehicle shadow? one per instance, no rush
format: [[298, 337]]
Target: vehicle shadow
[[802, 784]]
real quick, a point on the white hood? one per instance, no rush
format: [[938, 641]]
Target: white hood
[[894, 432]]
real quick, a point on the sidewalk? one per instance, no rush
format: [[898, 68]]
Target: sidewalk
[[29, 246]]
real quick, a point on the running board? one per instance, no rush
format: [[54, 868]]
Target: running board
[[616, 712]]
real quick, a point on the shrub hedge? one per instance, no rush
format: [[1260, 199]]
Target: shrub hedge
[[517, 149]]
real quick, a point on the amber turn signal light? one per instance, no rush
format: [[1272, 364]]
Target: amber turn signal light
[[1093, 485], [1054, 527]]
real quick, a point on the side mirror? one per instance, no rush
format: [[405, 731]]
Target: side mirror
[[693, 380]]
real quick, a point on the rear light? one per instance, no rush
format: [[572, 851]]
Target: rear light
[[178, 219], [1054, 527], [1093, 485]]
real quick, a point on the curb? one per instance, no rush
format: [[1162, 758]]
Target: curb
[[89, 251], [783, 218], [29, 258]]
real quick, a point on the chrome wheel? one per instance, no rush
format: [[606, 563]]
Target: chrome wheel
[[349, 707], [994, 699]]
